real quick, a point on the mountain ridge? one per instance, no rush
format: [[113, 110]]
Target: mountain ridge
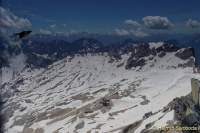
[[93, 86]]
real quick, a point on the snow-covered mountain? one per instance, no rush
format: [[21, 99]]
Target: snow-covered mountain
[[89, 88]]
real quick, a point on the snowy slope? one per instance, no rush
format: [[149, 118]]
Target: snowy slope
[[67, 96]]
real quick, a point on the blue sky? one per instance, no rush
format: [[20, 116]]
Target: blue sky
[[104, 16]]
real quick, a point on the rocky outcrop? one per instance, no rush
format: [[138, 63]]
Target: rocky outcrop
[[131, 128], [142, 50], [185, 53], [187, 114], [167, 48], [134, 63], [180, 105], [139, 52], [161, 54]]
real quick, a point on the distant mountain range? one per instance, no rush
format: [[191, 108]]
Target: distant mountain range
[[180, 40], [42, 50]]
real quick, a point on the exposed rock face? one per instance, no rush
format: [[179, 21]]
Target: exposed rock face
[[186, 112], [80, 125], [167, 48], [185, 53], [143, 50], [131, 128], [161, 54], [139, 52], [134, 63], [189, 63], [180, 108]]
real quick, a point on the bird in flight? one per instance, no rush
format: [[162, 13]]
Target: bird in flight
[[22, 34]]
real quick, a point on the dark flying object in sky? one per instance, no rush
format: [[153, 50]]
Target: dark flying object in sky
[[22, 34]]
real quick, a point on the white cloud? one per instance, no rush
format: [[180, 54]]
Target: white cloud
[[139, 33], [43, 31], [132, 23], [135, 32], [157, 22], [121, 32], [134, 28], [9, 20], [193, 23]]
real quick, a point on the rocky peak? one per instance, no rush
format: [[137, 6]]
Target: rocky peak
[[185, 53], [153, 50]]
